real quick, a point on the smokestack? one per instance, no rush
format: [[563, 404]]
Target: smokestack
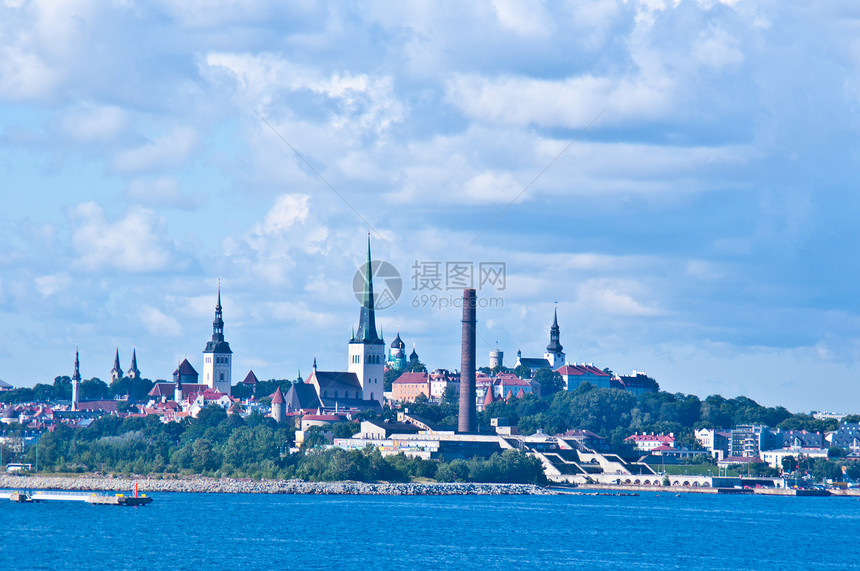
[[467, 420]]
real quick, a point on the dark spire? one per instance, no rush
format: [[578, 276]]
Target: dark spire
[[133, 371], [554, 346], [367, 318], [116, 367], [218, 324], [76, 376]]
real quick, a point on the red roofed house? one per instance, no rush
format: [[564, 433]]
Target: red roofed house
[[648, 442], [574, 375], [408, 386]]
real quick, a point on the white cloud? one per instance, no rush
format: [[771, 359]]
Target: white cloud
[[615, 297], [95, 123], [159, 324], [160, 192], [138, 243], [362, 101], [524, 18], [718, 49], [169, 151], [49, 285]]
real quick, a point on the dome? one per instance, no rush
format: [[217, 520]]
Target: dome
[[398, 342]]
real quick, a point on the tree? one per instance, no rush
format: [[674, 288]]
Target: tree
[[550, 381], [450, 396], [93, 389], [835, 452], [523, 372], [789, 464]]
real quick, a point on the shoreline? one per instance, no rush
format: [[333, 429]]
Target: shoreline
[[201, 484], [207, 485]]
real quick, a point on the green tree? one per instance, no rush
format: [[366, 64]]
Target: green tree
[[550, 381]]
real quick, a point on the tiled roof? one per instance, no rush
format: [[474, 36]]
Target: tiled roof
[[578, 370], [411, 378], [250, 379], [278, 396]]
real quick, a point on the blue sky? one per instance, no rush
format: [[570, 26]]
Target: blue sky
[[700, 227]]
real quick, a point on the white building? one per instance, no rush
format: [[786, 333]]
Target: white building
[[217, 356]]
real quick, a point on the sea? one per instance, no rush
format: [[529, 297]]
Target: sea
[[245, 532]]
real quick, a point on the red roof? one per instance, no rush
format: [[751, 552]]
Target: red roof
[[328, 417], [278, 397], [488, 398], [250, 379], [578, 370], [651, 438], [411, 379]]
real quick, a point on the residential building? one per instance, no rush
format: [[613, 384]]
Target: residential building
[[648, 442], [574, 375], [409, 386]]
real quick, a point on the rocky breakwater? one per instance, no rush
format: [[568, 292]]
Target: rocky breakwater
[[248, 486]]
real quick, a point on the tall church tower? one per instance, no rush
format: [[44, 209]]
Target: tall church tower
[[366, 348], [217, 356], [76, 380], [554, 353], [133, 371], [116, 372]]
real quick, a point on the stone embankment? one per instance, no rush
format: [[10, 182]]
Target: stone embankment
[[248, 486]]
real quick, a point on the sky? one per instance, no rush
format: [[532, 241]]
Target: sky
[[676, 177]]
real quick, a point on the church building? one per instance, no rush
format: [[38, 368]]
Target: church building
[[217, 356], [366, 348]]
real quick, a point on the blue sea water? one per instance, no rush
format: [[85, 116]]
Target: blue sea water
[[222, 531]]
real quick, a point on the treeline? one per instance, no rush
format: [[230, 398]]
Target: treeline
[[222, 445], [89, 389], [615, 414]]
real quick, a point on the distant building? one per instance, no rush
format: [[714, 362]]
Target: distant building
[[133, 372], [76, 381], [250, 379], [366, 348], [4, 386], [217, 355], [116, 372], [409, 386], [574, 375], [278, 406], [847, 437], [649, 442], [497, 358], [637, 383], [554, 351], [397, 354]]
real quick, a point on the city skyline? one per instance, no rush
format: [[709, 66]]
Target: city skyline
[[677, 176]]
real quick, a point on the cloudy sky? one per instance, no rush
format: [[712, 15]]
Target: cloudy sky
[[679, 176]]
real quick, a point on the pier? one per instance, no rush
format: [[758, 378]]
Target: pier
[[26, 497]]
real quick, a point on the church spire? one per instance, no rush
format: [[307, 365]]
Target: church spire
[[367, 318], [218, 323], [554, 345], [76, 376]]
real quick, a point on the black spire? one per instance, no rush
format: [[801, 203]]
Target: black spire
[[76, 376], [367, 319], [116, 367], [554, 346], [218, 345]]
